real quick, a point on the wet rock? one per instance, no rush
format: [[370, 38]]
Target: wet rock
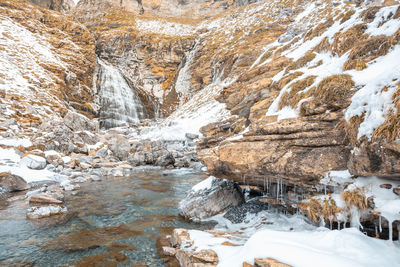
[[169, 251], [33, 162], [10, 182], [210, 197], [238, 214], [42, 212], [102, 152], [44, 199]]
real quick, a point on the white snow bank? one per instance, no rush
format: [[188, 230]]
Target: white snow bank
[[372, 99], [336, 177], [9, 154], [30, 175], [321, 247], [14, 142]]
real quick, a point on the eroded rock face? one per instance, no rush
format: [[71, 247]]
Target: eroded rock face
[[288, 149], [79, 122], [210, 197]]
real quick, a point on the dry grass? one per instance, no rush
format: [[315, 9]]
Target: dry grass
[[324, 45], [301, 62], [334, 91], [320, 29], [344, 41], [368, 50], [355, 198], [288, 78], [316, 209], [346, 16], [293, 97], [369, 14]]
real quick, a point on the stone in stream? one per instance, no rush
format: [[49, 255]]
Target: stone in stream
[[42, 212], [210, 197], [10, 182], [120, 146], [44, 199], [33, 162]]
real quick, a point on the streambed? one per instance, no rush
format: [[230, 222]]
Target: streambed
[[115, 220]]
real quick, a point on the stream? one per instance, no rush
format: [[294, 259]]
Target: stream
[[115, 221]]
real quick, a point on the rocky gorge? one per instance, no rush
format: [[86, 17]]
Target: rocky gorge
[[293, 105]]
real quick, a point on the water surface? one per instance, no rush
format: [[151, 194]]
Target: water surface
[[116, 220]]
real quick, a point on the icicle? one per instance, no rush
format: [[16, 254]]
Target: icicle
[[321, 221], [264, 184], [355, 218], [376, 231], [338, 225], [380, 224], [325, 189], [390, 230]]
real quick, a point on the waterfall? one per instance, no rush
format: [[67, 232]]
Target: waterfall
[[119, 103]]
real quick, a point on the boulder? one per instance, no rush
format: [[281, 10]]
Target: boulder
[[33, 162], [191, 136], [54, 158], [79, 122], [10, 182], [120, 146], [210, 197], [238, 214]]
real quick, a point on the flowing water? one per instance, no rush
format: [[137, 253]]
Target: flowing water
[[116, 219], [119, 103]]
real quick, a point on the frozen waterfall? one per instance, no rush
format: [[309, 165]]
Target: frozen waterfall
[[119, 103]]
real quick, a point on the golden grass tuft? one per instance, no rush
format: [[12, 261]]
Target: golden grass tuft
[[320, 29], [344, 41], [301, 62], [324, 45], [316, 209], [288, 78], [355, 198], [368, 50], [397, 14], [369, 14], [334, 91], [293, 97], [346, 16]]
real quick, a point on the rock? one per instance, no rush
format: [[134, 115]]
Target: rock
[[396, 191], [42, 212], [102, 152], [191, 136], [58, 5], [44, 199], [33, 162], [210, 197], [11, 182], [268, 262], [238, 214], [169, 251], [54, 158], [180, 236], [78, 122], [386, 186], [120, 146]]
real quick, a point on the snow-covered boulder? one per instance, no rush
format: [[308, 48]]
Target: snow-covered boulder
[[210, 197], [33, 162]]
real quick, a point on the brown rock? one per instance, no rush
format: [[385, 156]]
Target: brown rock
[[11, 182], [387, 186], [268, 262], [396, 191], [44, 199]]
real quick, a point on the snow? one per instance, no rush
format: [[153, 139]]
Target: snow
[[372, 99], [14, 142], [286, 113], [49, 153], [204, 185], [383, 24], [289, 239], [9, 154]]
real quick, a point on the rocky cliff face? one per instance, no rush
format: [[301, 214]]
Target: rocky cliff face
[[57, 5], [47, 62]]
